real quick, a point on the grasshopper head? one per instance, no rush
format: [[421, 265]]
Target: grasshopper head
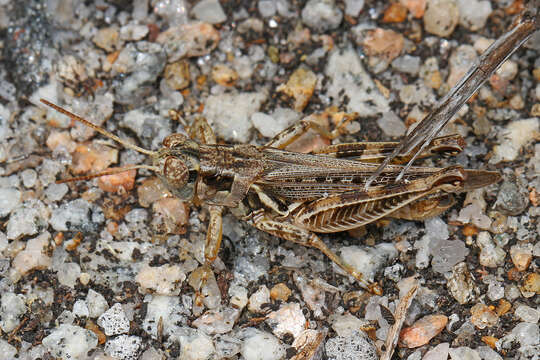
[[178, 164]]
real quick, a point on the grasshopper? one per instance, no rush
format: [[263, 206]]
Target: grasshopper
[[295, 195], [340, 187]]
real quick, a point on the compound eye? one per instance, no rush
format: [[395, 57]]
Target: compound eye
[[174, 140], [176, 172]]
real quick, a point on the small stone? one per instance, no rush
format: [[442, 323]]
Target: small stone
[[490, 255], [346, 324], [446, 254], [300, 86], [27, 219], [163, 280], [68, 273], [463, 353], [531, 283], [92, 158], [321, 15], [407, 64], [173, 11], [313, 294], [395, 13], [461, 285], [280, 292], [12, 307], [495, 291], [271, 125], [517, 134], [224, 75], [75, 212], [259, 298], [383, 44], [267, 8], [439, 352], [70, 342], [441, 17], [238, 296], [203, 281], [473, 14], [521, 255], [217, 322], [113, 183], [97, 304], [391, 125], [7, 352], [357, 346], [170, 216], [483, 316], [461, 60], [29, 177], [415, 7], [133, 32], [527, 313], [260, 345], [114, 321], [369, 260], [353, 7], [124, 347], [230, 114], [422, 331], [188, 40], [416, 93], [513, 197], [55, 192], [487, 353], [289, 319], [209, 11], [196, 346], [80, 309], [10, 198], [34, 255], [107, 39], [177, 75]]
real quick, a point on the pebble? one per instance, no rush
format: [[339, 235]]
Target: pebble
[[321, 15], [224, 75], [107, 38], [446, 254], [483, 316], [260, 345], [96, 303], [531, 284], [382, 46], [369, 261], [312, 294], [80, 309], [124, 181], [217, 321], [70, 342], [473, 14], [150, 191], [526, 334], [203, 281], [34, 255], [196, 345], [7, 352], [12, 307], [512, 198], [27, 219], [441, 17], [92, 158], [460, 62], [463, 353], [209, 11], [422, 331], [29, 177], [68, 273], [300, 86], [229, 114], [356, 346], [395, 13], [348, 78], [391, 124], [415, 7], [353, 7], [170, 216], [407, 64], [174, 11], [271, 125], [461, 284], [439, 352], [55, 192], [267, 8], [114, 321], [346, 324], [417, 93], [289, 319], [188, 40], [259, 298], [238, 296], [169, 310], [491, 256], [75, 212], [495, 291], [527, 314], [133, 32], [280, 292], [177, 75], [521, 255], [163, 280], [124, 347], [518, 133], [149, 127]]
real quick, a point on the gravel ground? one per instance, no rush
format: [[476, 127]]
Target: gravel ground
[[111, 268]]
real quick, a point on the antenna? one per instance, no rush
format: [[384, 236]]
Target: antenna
[[98, 129], [107, 172]]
